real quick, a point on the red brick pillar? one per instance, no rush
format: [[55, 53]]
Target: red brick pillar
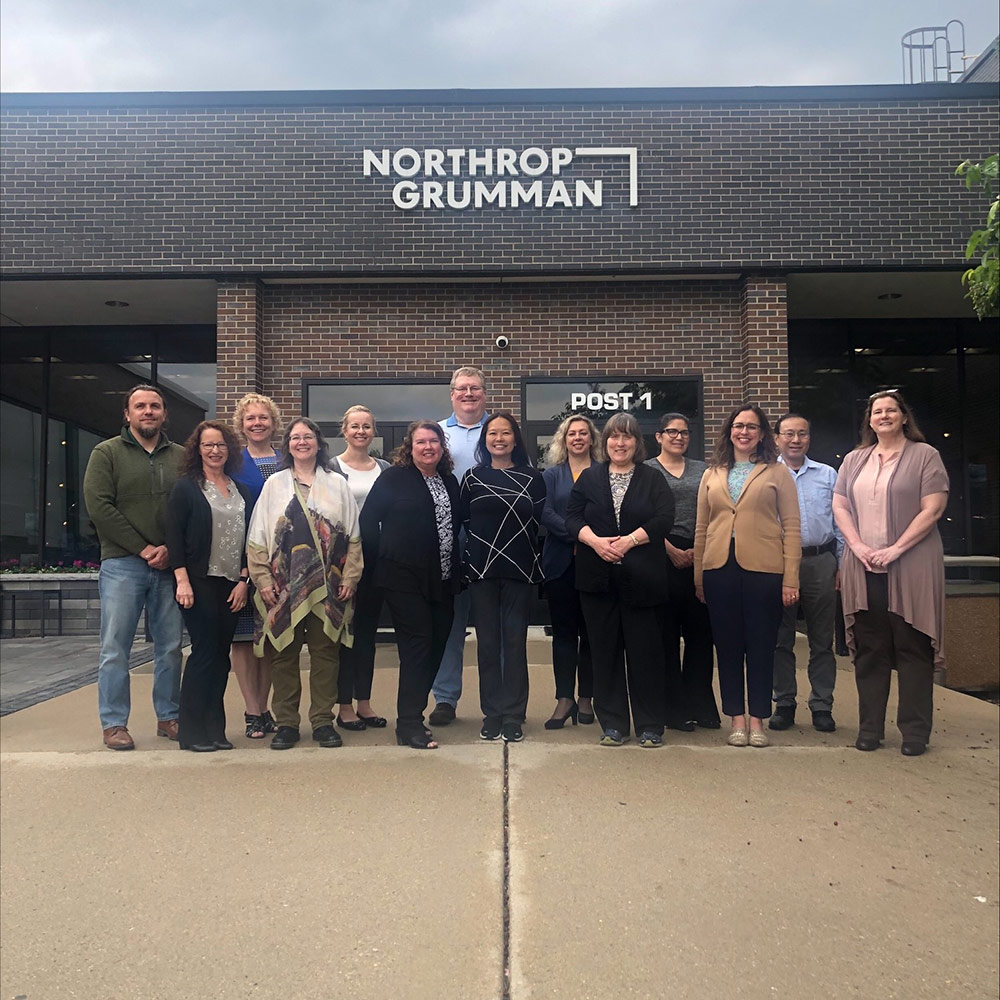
[[764, 342], [240, 343]]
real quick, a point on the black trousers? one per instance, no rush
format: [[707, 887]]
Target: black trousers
[[689, 694], [210, 624], [635, 681], [884, 640], [500, 608], [422, 628], [745, 608], [571, 660], [357, 662]]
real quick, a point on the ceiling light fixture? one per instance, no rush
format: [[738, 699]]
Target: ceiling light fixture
[[887, 296], [116, 304]]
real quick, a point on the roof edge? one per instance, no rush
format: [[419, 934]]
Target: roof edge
[[573, 95]]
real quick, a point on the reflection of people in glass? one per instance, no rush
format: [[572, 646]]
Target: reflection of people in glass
[[256, 420], [747, 547], [890, 494], [690, 698], [620, 511], [410, 524], [357, 662], [573, 448], [502, 498], [207, 517], [304, 550]]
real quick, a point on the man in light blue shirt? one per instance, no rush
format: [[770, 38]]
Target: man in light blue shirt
[[822, 547], [462, 430]]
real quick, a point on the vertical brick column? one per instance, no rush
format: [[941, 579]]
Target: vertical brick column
[[764, 343], [240, 343]]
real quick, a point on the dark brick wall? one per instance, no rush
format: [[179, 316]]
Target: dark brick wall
[[716, 329], [727, 185]]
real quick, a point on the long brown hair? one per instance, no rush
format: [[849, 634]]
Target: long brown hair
[[403, 455], [910, 428], [767, 449], [191, 465]]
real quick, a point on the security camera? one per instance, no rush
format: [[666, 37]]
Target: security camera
[[502, 342]]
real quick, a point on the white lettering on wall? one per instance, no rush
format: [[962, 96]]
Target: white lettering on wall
[[459, 169]]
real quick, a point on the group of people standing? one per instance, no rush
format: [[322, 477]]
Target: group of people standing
[[647, 563]]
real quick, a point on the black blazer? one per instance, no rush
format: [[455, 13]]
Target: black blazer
[[399, 534], [189, 526], [641, 577]]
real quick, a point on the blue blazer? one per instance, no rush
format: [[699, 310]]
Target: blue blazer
[[557, 552], [248, 475]]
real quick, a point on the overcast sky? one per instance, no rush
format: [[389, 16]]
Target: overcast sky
[[95, 45]]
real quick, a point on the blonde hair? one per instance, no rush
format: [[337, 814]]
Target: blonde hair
[[468, 371], [255, 399], [355, 409], [557, 446]]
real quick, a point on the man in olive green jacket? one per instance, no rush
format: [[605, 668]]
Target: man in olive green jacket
[[125, 489]]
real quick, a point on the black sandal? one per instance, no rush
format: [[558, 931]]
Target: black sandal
[[255, 726], [270, 726], [419, 741], [355, 725], [373, 721]]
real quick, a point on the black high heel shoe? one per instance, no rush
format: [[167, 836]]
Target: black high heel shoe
[[586, 718], [418, 741], [573, 713]]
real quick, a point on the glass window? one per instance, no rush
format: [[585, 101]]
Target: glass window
[[20, 448]]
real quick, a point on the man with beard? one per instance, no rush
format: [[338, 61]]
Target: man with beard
[[125, 489]]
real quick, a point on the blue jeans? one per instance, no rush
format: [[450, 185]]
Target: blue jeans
[[448, 682], [127, 584]]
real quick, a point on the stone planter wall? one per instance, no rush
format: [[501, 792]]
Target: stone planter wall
[[49, 604]]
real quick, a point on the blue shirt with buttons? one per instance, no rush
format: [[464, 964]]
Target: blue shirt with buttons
[[814, 484], [462, 442]]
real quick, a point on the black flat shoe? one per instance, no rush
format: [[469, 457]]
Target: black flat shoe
[[555, 723], [823, 722], [223, 744], [419, 741], [783, 718], [682, 726], [912, 748], [373, 721], [285, 738], [708, 723], [327, 736], [199, 747], [867, 743], [354, 726]]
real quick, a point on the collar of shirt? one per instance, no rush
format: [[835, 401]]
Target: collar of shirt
[[452, 421]]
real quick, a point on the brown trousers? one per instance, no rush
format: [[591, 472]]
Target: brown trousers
[[324, 662], [883, 640]]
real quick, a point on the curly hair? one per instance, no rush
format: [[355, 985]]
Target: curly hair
[[191, 464], [557, 454], [910, 428], [255, 399], [724, 455], [403, 455], [322, 448], [625, 423]]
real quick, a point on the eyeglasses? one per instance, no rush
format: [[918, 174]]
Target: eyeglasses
[[673, 432], [472, 390], [791, 435], [746, 427], [297, 438], [213, 446]]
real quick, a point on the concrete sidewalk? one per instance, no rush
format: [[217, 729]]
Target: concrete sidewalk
[[550, 869]]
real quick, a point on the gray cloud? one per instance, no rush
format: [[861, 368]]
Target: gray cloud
[[56, 45]]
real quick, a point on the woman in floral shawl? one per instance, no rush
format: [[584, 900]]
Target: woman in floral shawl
[[304, 553]]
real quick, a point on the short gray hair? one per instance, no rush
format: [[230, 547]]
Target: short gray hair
[[468, 371]]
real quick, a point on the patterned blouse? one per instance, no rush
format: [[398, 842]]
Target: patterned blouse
[[228, 526], [619, 487], [442, 515], [738, 476]]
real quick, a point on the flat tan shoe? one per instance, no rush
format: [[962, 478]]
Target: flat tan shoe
[[737, 738], [758, 738]]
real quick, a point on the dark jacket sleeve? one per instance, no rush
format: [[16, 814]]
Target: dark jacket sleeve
[[661, 504], [179, 512], [552, 519], [577, 506], [538, 493]]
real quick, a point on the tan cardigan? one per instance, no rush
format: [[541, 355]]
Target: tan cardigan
[[764, 522]]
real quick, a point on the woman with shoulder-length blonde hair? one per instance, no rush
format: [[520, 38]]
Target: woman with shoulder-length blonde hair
[[890, 494], [256, 421], [575, 446], [747, 549], [357, 662]]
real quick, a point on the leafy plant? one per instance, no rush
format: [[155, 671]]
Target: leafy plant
[[983, 280], [77, 566]]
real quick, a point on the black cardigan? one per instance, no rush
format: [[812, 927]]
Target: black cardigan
[[189, 526], [641, 577], [399, 534]]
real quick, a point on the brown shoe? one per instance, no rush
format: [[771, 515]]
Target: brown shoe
[[117, 738], [168, 729]]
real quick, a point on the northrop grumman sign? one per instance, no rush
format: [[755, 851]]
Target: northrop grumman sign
[[497, 178]]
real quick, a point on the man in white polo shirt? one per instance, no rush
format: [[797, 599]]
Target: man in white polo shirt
[[462, 429]]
